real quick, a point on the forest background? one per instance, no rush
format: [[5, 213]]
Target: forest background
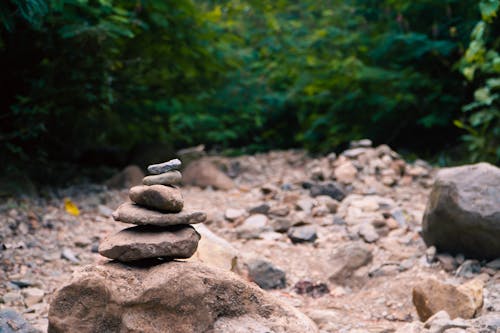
[[92, 81]]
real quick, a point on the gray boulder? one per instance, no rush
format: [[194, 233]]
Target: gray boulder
[[173, 297], [463, 212]]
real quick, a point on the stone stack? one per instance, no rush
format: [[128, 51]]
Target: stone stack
[[163, 229]]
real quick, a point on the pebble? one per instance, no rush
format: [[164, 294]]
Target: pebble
[[368, 233], [469, 268], [441, 322], [354, 152], [32, 296], [104, 210], [399, 216], [430, 254], [266, 275], [330, 189], [232, 214], [260, 209], [282, 210], [315, 290], [69, 255], [164, 167], [22, 283], [302, 234], [305, 205], [330, 203], [11, 297], [253, 226], [13, 322], [495, 264], [447, 261], [348, 258], [346, 172], [281, 224], [366, 143]]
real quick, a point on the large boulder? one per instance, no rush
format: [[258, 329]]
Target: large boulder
[[204, 173], [463, 212], [130, 176], [172, 297]]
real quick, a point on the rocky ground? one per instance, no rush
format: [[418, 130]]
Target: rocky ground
[[338, 237]]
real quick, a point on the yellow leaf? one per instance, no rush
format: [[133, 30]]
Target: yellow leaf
[[71, 207]]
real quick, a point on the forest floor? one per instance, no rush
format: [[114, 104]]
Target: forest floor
[[41, 244]]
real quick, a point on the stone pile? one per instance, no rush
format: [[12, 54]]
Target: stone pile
[[162, 228]]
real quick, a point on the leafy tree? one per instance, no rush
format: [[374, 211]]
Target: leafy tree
[[481, 66]]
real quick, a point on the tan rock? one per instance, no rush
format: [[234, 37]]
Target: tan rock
[[128, 177], [215, 251], [159, 197], [134, 214], [346, 259], [233, 214], [146, 242], [204, 173], [432, 296], [345, 172], [32, 296], [173, 297]]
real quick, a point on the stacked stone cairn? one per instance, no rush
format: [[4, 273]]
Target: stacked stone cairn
[[163, 229]]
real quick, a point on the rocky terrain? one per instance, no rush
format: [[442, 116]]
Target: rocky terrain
[[337, 237]]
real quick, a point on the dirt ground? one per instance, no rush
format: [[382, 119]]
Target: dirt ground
[[41, 243]]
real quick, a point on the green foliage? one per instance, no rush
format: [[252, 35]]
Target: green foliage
[[92, 74], [245, 74], [481, 66], [320, 73], [31, 11]]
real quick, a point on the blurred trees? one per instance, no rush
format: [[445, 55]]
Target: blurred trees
[[244, 74]]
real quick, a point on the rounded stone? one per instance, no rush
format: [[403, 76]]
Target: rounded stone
[[159, 197]]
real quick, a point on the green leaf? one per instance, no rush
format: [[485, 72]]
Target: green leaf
[[489, 9]]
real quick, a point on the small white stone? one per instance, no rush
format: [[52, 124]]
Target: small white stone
[[32, 296], [232, 214]]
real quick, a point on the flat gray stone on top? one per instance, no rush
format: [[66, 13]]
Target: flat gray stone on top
[[146, 242], [173, 177], [135, 214], [164, 167]]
